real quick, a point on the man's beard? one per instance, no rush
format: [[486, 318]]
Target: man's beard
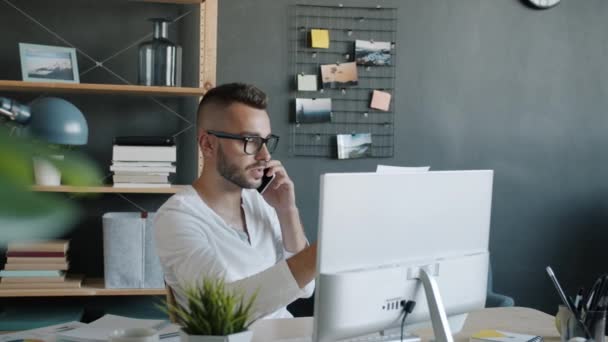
[[233, 173]]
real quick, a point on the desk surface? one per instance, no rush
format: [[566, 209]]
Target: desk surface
[[515, 319]]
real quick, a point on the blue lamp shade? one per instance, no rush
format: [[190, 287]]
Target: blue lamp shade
[[58, 121]]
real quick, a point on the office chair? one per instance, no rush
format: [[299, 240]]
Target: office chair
[[496, 300], [171, 302]]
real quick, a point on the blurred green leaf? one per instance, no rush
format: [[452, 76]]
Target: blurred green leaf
[[25, 214]]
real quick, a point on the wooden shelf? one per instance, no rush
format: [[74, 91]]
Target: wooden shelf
[[107, 189], [173, 1], [90, 287], [91, 88]]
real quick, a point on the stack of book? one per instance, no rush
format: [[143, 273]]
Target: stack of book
[[139, 162], [37, 265]]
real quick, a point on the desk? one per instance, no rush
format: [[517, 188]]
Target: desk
[[514, 319]]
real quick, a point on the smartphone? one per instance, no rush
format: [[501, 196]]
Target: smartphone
[[266, 180]]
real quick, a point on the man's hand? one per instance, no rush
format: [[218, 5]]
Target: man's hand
[[280, 193]]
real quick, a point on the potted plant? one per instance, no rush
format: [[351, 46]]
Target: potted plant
[[214, 313]]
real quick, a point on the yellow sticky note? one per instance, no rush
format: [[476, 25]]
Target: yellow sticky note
[[319, 38], [488, 334]]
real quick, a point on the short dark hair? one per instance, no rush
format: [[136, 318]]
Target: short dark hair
[[227, 94]]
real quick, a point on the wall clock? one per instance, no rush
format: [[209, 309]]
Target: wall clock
[[543, 4]]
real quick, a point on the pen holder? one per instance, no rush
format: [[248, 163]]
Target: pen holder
[[570, 327]]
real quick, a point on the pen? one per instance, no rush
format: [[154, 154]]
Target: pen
[[578, 300], [566, 301], [598, 294], [560, 292]]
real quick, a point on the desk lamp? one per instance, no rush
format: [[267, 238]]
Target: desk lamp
[[24, 214], [52, 120]]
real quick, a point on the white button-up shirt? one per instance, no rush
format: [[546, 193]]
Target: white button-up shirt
[[193, 242]]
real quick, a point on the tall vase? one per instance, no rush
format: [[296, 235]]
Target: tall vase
[[160, 59]]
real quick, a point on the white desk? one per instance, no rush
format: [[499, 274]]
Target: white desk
[[516, 319]]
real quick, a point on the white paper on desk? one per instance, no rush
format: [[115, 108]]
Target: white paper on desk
[[47, 334], [101, 329], [400, 169], [283, 330]]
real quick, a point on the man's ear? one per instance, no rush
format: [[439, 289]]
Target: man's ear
[[205, 144]]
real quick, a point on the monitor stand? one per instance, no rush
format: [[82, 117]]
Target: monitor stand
[[439, 319], [441, 324]]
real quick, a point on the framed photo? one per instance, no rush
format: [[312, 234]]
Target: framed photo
[[352, 146], [339, 75], [44, 63], [313, 110], [368, 52]]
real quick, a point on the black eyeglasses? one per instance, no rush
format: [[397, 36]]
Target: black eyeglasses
[[252, 144]]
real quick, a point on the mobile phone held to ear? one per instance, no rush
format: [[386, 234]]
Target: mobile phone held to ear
[[266, 180]]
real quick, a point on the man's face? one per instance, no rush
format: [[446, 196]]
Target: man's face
[[241, 169]]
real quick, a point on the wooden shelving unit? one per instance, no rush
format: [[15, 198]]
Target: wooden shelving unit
[[90, 88], [90, 287], [208, 12], [184, 2], [107, 189]]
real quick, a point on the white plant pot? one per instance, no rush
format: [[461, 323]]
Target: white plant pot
[[244, 336], [45, 172]]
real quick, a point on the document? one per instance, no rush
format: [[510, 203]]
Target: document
[[46, 334], [100, 330], [400, 169]]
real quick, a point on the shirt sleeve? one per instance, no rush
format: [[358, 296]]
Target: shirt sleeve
[[187, 256]]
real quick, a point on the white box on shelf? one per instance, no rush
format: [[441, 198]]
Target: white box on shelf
[[129, 253]]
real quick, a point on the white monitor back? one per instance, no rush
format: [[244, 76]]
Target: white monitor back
[[377, 230], [370, 219]]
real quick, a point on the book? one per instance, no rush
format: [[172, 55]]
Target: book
[[145, 140], [140, 173], [14, 267], [35, 254], [144, 153], [21, 280], [143, 168], [140, 179], [34, 260], [142, 185], [71, 282], [31, 273], [39, 246], [142, 163], [503, 336]]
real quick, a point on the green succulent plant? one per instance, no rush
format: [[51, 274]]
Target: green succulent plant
[[213, 309]]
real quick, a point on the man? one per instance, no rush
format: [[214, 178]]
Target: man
[[221, 226]]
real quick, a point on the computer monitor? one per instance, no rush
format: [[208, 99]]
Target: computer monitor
[[388, 238]]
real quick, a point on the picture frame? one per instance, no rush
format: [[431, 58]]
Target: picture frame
[[313, 110], [371, 53], [356, 145], [46, 63], [339, 75]]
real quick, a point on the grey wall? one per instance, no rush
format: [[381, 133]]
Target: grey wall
[[480, 84]]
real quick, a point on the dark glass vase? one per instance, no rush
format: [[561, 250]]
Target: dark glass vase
[[160, 59]]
